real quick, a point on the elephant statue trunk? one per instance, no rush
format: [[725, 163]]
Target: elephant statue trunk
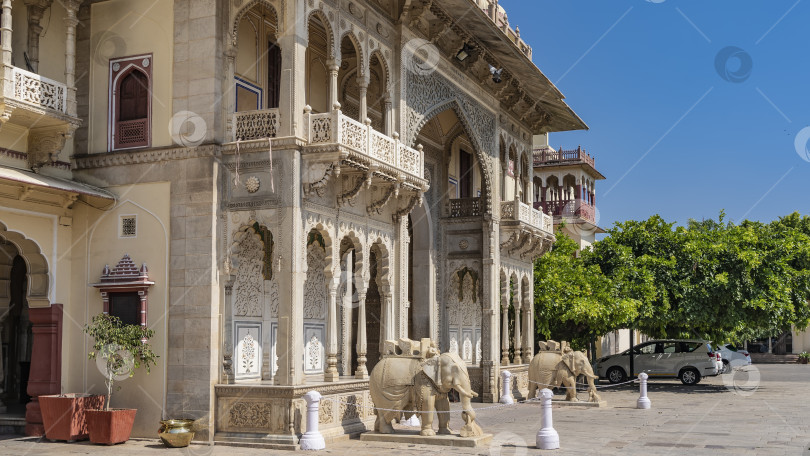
[[470, 428]]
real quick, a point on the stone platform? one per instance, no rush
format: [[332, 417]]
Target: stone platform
[[413, 438], [578, 403]]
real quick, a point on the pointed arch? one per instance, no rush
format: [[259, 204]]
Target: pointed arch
[[240, 13], [481, 155], [36, 265], [327, 26]]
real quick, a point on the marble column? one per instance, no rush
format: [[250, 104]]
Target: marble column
[[332, 66], [331, 373], [518, 359], [362, 83], [5, 49], [71, 21], [388, 117], [362, 346], [504, 331]]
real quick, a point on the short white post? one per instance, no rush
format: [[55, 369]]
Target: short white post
[[643, 400], [312, 439], [413, 421], [506, 381], [547, 437]]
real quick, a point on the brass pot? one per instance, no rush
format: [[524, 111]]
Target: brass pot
[[176, 433]]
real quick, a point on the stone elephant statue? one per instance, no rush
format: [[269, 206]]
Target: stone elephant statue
[[421, 385], [550, 369]]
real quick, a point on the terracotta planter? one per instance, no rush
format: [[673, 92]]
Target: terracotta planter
[[110, 427], [64, 416]]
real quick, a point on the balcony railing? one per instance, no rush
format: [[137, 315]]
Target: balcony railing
[[337, 128], [40, 91], [258, 124], [551, 156], [522, 212], [465, 207], [568, 208]]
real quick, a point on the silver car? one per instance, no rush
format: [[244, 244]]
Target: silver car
[[686, 359]]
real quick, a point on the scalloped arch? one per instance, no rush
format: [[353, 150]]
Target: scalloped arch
[[36, 266]]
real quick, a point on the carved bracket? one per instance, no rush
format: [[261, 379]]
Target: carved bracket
[[415, 199], [377, 206], [45, 143], [319, 186], [349, 196]]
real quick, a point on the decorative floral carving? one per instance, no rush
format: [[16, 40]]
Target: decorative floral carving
[[252, 184], [248, 355], [249, 279], [314, 350], [250, 414], [321, 130], [325, 411], [453, 345], [33, 88], [466, 353], [350, 407], [315, 289], [274, 299]]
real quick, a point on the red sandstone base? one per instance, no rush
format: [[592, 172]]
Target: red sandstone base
[[110, 427]]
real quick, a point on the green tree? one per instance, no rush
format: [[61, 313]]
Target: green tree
[[575, 301], [120, 349]]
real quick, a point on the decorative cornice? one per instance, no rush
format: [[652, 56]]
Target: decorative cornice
[[103, 160]]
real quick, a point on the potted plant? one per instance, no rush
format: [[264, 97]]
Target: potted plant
[[119, 350], [63, 415], [804, 358]]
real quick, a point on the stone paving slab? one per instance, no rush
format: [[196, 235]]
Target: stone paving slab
[[707, 419]]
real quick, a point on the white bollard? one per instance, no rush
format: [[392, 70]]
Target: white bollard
[[312, 439], [413, 421], [547, 437], [643, 401], [506, 381]]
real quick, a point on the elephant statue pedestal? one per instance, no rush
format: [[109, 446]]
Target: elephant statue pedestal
[[558, 365], [412, 378]]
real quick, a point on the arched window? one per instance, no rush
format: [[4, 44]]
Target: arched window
[[130, 102]]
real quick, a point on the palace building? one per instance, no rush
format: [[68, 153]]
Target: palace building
[[275, 187]]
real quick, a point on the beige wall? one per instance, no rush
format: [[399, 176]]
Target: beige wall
[[97, 243], [801, 341], [121, 28]]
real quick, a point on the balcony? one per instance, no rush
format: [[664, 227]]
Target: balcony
[[259, 124], [525, 214], [464, 207], [40, 105], [548, 156], [361, 147], [568, 208]]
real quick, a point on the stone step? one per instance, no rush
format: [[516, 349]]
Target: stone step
[[770, 358], [12, 425]]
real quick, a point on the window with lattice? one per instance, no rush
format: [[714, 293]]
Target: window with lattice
[[130, 102], [129, 226]]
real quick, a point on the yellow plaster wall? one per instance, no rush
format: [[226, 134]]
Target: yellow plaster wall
[[121, 28], [97, 243], [52, 43]]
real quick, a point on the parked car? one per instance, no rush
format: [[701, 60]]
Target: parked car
[[686, 359], [733, 357]]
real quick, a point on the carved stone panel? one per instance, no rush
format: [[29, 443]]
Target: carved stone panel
[[248, 350], [249, 284]]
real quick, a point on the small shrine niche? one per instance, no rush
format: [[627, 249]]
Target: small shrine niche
[[125, 291]]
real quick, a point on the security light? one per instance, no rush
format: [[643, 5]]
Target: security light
[[465, 52]]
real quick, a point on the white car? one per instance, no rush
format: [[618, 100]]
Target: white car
[[733, 357], [686, 359]]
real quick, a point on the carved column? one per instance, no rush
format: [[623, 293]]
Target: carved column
[[71, 21], [362, 82], [331, 373], [402, 279], [36, 9], [5, 49], [527, 351], [229, 95], [362, 346], [333, 68], [504, 330], [388, 117], [388, 330], [517, 340]]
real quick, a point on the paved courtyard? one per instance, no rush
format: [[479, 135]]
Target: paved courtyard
[[712, 418]]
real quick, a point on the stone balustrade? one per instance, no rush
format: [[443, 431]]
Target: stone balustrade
[[258, 124], [336, 128], [40, 91], [522, 212]]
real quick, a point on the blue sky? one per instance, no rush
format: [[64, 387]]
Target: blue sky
[[671, 135]]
